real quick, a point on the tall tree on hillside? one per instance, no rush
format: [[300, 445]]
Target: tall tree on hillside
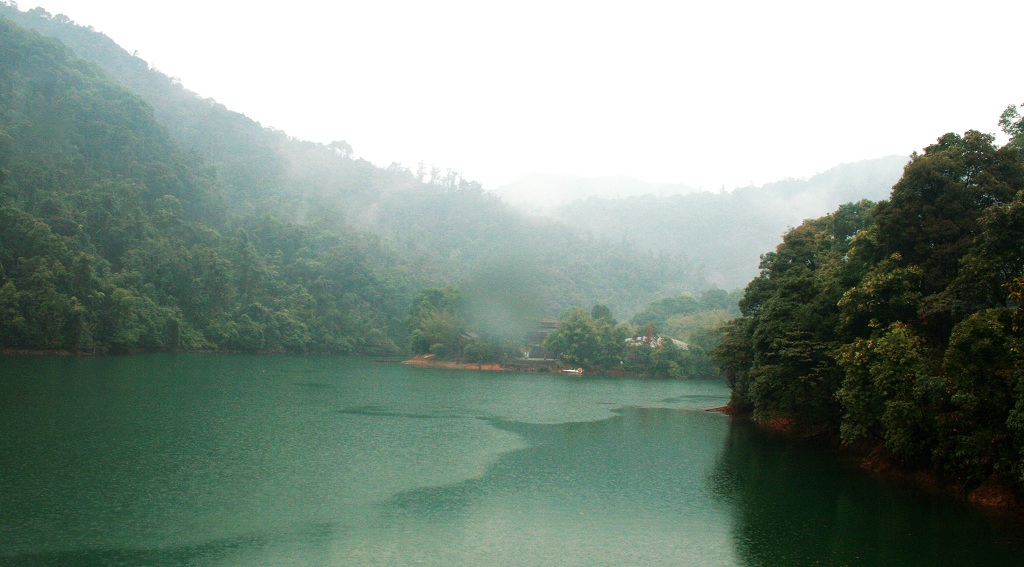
[[1012, 124], [778, 356], [434, 322], [927, 335], [932, 217]]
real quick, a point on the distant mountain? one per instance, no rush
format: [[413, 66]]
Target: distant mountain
[[546, 193], [727, 232]]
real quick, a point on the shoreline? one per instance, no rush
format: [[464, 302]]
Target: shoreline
[[992, 494], [547, 366], [427, 361], [42, 352]]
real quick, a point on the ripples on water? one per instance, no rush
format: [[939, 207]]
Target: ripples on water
[[256, 460]]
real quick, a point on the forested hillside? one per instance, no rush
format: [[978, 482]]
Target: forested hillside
[[898, 326], [114, 238], [727, 232], [140, 216]]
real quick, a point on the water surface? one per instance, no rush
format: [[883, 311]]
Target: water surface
[[260, 460]]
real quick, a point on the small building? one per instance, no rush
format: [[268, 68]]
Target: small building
[[655, 341]]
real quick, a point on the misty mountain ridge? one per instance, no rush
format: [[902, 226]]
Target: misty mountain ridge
[[727, 232], [544, 193]]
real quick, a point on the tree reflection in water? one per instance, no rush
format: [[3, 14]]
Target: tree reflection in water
[[800, 505]]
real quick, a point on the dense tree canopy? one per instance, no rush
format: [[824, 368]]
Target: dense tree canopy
[[898, 326]]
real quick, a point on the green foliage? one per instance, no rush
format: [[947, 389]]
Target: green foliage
[[659, 311], [696, 327], [656, 355], [779, 359], [981, 367], [734, 355], [1012, 124], [442, 324], [576, 340], [716, 299], [935, 212], [113, 238], [434, 324], [583, 340], [886, 387], [486, 350], [602, 313], [912, 324], [694, 322], [887, 293]]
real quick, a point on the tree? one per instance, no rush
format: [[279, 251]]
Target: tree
[[886, 391], [918, 315], [434, 324], [934, 209], [981, 370], [575, 340], [778, 356], [1012, 124], [341, 147], [602, 313], [716, 299], [659, 311]]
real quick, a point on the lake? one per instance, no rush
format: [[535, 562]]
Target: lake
[[191, 459]]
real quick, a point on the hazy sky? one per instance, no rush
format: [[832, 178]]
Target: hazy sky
[[706, 93]]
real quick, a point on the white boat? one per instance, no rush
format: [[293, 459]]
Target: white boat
[[572, 371]]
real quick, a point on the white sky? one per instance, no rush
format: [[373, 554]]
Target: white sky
[[706, 93]]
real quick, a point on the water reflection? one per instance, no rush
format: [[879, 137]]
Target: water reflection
[[797, 505]]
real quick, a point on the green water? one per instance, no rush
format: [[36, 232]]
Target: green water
[[259, 460]]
